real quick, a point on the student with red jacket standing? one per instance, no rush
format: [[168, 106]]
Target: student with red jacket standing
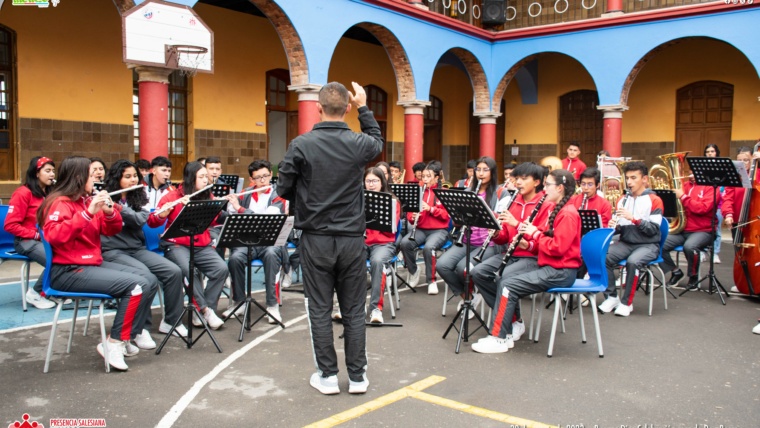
[[573, 162], [21, 220], [559, 257], [72, 222]]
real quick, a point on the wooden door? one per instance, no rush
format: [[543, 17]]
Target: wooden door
[[704, 113], [581, 122]]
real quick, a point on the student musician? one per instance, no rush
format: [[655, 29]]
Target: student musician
[[128, 248], [466, 181], [558, 239], [158, 183], [381, 247], [194, 178], [509, 181], [637, 222], [429, 226], [698, 207], [529, 179], [73, 222], [589, 199], [214, 167], [386, 170], [396, 177], [143, 166], [417, 170], [713, 151], [732, 205], [21, 221], [573, 162], [265, 202], [98, 169], [452, 263]]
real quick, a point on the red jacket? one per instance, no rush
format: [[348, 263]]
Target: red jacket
[[597, 203], [377, 237], [21, 220], [575, 166], [563, 250], [698, 206], [202, 240], [732, 203], [436, 218], [74, 235], [521, 210]]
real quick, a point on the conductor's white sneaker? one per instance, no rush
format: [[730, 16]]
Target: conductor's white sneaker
[[325, 385], [756, 330], [358, 387]]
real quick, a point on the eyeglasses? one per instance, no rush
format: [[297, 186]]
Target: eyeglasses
[[588, 184], [482, 169], [261, 177], [375, 181], [549, 184]]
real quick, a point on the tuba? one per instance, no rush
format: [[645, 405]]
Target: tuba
[[670, 177], [551, 162], [614, 193]]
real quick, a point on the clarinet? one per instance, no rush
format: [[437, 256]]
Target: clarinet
[[463, 229], [518, 237], [416, 219], [625, 199], [584, 201], [479, 257]]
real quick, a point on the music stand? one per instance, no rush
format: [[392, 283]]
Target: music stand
[[221, 190], [410, 195], [669, 202], [714, 172], [380, 214], [231, 180], [251, 230], [468, 209], [590, 220], [194, 218]]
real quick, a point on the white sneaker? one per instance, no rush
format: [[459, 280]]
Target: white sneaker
[[623, 310], [39, 302], [337, 315], [716, 259], [584, 301], [432, 288], [115, 355], [609, 304], [164, 328], [476, 299], [325, 385], [197, 321], [286, 279], [275, 311], [735, 289], [130, 350], [376, 318], [702, 256], [238, 313], [358, 387], [413, 278], [756, 330], [493, 345], [212, 320], [144, 341], [518, 329]]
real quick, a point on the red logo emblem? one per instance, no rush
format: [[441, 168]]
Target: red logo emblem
[[26, 423]]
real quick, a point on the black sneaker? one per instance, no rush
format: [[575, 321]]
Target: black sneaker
[[692, 285], [675, 277]]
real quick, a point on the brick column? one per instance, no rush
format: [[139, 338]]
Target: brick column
[[612, 134], [308, 98], [153, 84], [488, 133], [414, 130]]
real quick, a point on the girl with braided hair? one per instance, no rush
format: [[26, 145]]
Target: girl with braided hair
[[559, 257]]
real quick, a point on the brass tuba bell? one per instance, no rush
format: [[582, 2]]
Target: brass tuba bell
[[670, 177], [551, 162]]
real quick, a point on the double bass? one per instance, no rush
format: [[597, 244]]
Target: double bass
[[747, 239]]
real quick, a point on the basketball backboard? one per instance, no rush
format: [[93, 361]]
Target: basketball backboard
[[152, 31]]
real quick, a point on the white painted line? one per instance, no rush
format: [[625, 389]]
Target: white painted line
[[176, 411]]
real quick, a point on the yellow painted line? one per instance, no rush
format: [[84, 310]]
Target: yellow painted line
[[478, 411], [377, 403]]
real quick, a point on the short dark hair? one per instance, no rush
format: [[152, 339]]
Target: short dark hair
[[712, 146], [333, 97], [201, 160], [160, 161], [591, 172], [213, 159], [636, 166], [257, 165], [142, 164], [743, 149], [509, 166], [574, 143], [603, 153], [419, 166], [395, 164], [531, 169], [472, 163]]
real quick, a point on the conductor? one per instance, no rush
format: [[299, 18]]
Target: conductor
[[323, 173]]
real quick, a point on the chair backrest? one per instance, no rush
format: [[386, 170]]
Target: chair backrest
[[664, 230], [152, 236], [594, 246], [6, 239], [48, 265]]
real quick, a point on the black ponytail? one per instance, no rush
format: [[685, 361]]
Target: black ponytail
[[565, 178]]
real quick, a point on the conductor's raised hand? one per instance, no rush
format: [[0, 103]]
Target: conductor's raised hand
[[358, 98]]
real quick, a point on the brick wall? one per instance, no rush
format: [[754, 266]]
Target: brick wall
[[236, 149]]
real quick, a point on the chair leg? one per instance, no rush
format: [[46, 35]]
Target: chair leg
[[73, 325], [394, 281], [532, 314], [557, 310], [160, 293], [596, 326], [87, 321], [445, 298], [650, 287], [583, 325], [388, 291], [537, 331], [664, 286], [103, 336], [24, 283], [53, 329], [562, 310]]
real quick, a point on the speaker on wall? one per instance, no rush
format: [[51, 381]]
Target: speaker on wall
[[494, 12]]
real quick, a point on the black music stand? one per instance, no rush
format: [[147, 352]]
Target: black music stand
[[380, 214], [194, 218], [231, 180], [251, 230], [590, 220], [714, 172], [669, 202], [221, 190], [468, 209], [411, 199]]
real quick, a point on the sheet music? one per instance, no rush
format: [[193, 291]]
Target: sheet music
[[742, 171], [282, 238]]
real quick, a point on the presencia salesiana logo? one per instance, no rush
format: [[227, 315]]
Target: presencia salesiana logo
[[26, 423], [38, 3]]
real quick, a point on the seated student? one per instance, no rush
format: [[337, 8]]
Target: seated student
[[509, 180], [637, 221], [143, 166], [573, 162], [194, 178], [386, 170], [214, 167], [732, 205], [202, 161], [396, 177], [158, 183], [266, 202], [465, 182], [380, 247], [529, 179], [452, 263], [128, 248], [98, 169], [73, 223], [698, 207], [431, 229], [589, 199], [417, 170], [559, 257], [21, 221]]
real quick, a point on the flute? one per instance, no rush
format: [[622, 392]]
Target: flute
[[260, 189], [479, 257], [416, 219], [179, 201], [463, 229], [128, 189], [513, 245]]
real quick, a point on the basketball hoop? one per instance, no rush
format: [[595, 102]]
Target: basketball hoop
[[185, 58]]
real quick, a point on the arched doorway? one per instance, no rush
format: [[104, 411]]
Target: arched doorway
[[282, 124], [377, 101], [704, 112], [433, 135], [581, 122]]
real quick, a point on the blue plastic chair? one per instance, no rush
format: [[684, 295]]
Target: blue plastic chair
[[153, 237], [664, 229], [594, 247], [8, 252], [58, 297]]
